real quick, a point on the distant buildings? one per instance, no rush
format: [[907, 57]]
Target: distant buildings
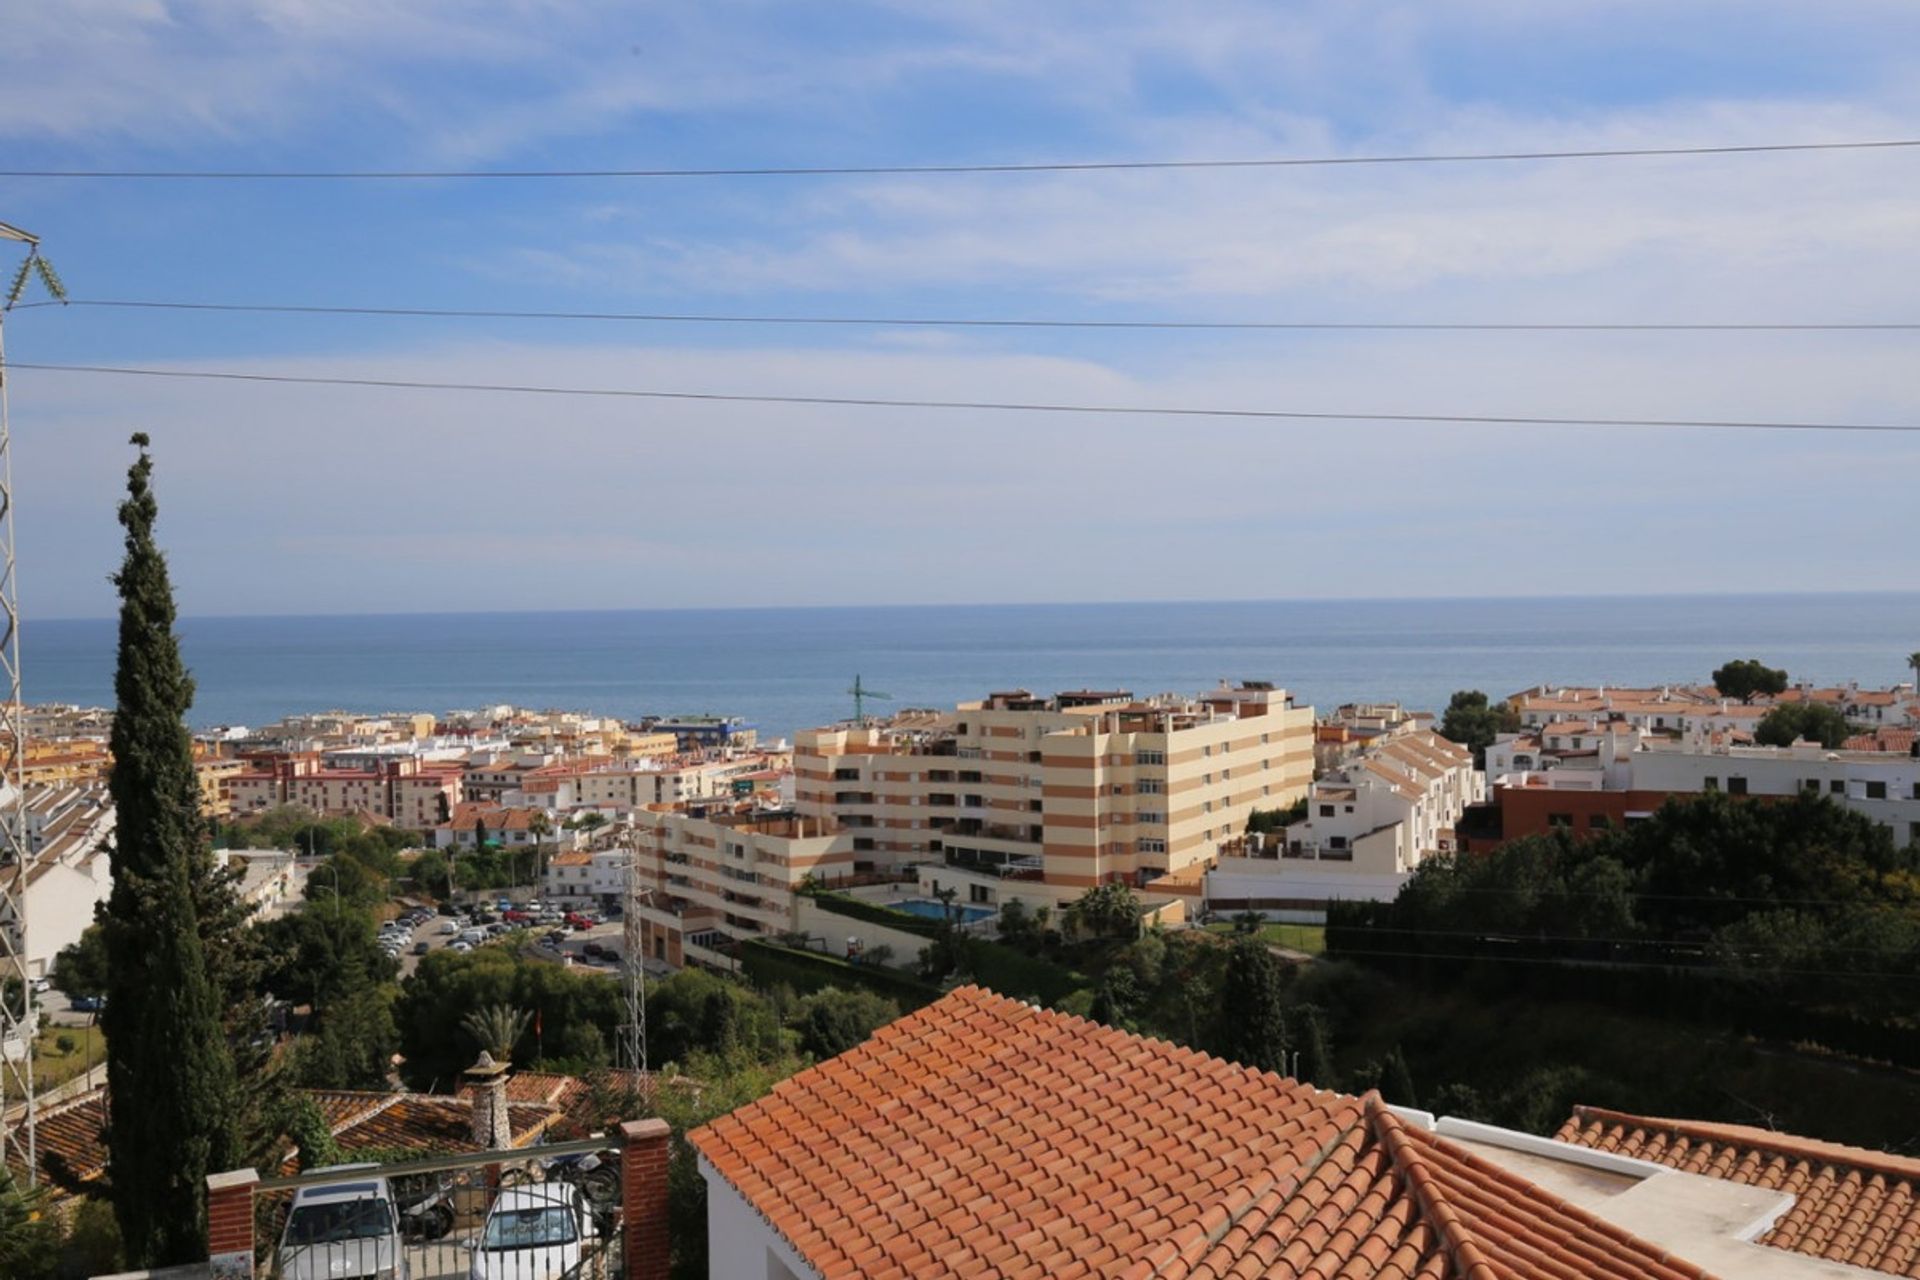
[[1368, 826], [1014, 796], [69, 871]]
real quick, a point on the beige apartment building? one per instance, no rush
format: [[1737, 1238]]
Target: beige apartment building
[[1071, 791], [727, 872], [408, 793]]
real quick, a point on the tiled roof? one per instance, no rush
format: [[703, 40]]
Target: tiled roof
[[1851, 1205], [980, 1136], [68, 1141]]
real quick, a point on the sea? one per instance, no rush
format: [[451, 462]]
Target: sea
[[784, 669]]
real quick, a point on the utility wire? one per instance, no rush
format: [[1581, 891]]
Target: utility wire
[[879, 170], [880, 402], [960, 322]]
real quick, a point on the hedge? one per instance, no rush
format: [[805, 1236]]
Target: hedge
[[876, 913], [806, 971]]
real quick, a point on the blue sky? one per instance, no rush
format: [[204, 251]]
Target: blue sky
[[298, 499]]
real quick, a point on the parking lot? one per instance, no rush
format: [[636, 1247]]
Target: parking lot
[[572, 949]]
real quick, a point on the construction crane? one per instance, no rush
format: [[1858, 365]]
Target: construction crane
[[860, 695], [17, 1017]]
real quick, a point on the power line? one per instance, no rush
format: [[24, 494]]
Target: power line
[[992, 406], [883, 170], [969, 322]]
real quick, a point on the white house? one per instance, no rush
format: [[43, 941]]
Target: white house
[[1368, 826], [69, 875]]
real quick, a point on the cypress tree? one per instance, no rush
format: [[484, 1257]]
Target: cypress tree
[[172, 1099], [1253, 1027]]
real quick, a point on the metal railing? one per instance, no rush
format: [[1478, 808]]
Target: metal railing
[[551, 1212]]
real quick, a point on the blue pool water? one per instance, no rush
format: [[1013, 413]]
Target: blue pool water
[[933, 910]]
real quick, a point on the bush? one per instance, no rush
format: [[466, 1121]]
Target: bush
[[807, 971]]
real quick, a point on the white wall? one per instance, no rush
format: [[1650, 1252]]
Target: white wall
[[741, 1245]]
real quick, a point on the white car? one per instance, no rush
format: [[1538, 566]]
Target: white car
[[536, 1232], [343, 1231], [449, 926]]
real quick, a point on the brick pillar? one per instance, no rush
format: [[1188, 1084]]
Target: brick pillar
[[230, 1223], [645, 1146]]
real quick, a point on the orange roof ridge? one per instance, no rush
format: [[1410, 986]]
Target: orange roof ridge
[[1790, 1145], [1850, 1204]]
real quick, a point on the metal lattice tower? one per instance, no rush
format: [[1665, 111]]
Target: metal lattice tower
[[17, 1016], [633, 973]]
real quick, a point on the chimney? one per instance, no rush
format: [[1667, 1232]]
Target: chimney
[[487, 1086]]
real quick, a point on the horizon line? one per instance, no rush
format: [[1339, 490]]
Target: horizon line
[[1005, 604]]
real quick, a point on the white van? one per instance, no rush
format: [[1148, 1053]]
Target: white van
[[473, 936]]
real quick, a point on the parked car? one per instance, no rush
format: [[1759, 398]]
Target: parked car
[[556, 936], [42, 985], [343, 1231], [534, 1232], [461, 945], [516, 916], [471, 936], [450, 926], [89, 1004], [594, 949], [421, 948], [496, 929], [579, 921], [484, 917]]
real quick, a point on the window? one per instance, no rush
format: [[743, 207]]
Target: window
[[1876, 791], [1326, 811], [1913, 833], [1153, 846], [1150, 787], [1146, 816], [1736, 786], [1710, 784], [1838, 786], [1599, 821], [1561, 821], [1337, 842], [1810, 786], [1150, 757]]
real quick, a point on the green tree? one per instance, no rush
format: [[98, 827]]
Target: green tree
[[306, 1126], [1117, 999], [80, 969], [832, 1021], [174, 1101], [1913, 664], [1744, 678], [1313, 1055], [1473, 722], [431, 874], [29, 1236], [497, 1028], [1253, 1025], [1814, 721], [351, 1046]]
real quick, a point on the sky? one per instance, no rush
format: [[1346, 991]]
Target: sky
[[281, 499]]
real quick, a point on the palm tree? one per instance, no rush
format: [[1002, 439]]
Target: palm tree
[[497, 1028], [1913, 662], [539, 828]]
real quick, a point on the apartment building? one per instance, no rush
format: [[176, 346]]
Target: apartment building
[[1044, 797], [68, 871], [730, 872], [1355, 726], [405, 791], [1621, 786]]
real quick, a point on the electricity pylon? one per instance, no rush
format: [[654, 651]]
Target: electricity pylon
[[17, 1017]]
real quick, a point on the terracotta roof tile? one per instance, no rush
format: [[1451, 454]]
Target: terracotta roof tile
[[1852, 1205], [982, 1136]]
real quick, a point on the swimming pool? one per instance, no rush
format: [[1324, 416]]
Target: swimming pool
[[934, 910]]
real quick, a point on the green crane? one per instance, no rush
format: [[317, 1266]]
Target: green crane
[[860, 695]]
